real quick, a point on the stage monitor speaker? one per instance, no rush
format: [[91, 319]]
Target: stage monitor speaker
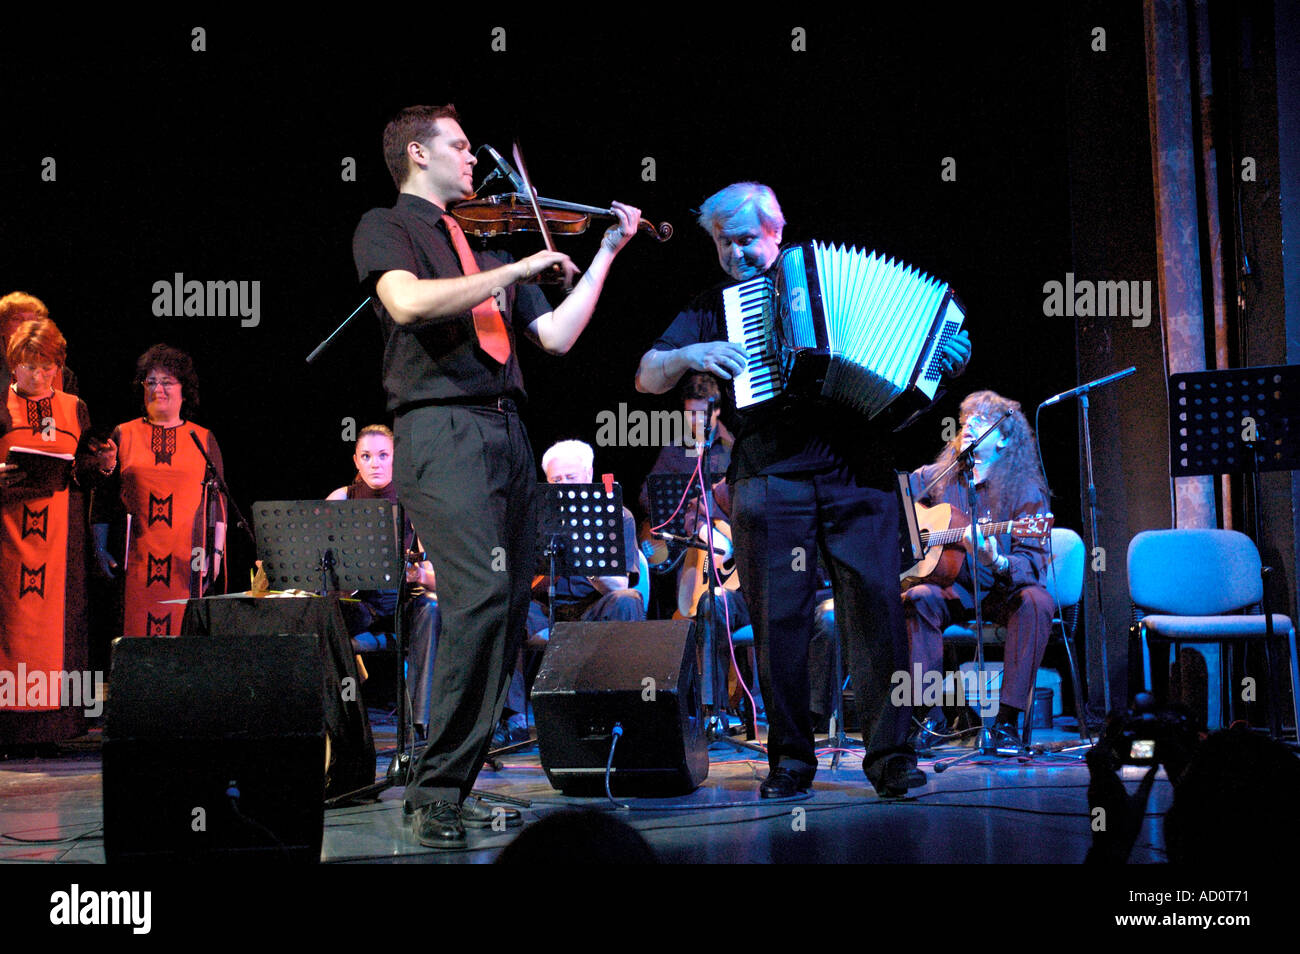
[[643, 676], [214, 750]]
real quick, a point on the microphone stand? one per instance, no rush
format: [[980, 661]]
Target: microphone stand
[[712, 692], [1092, 530], [212, 478], [966, 461], [1081, 393], [316, 353]]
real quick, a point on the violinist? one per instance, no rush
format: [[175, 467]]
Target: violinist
[[452, 319]]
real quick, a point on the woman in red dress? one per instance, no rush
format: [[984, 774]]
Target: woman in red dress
[[175, 527], [34, 530]]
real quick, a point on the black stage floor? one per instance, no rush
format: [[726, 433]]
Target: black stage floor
[[985, 810]]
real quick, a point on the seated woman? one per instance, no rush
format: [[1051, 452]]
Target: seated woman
[[374, 480]]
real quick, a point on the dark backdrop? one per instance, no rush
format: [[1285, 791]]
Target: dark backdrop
[[226, 165]]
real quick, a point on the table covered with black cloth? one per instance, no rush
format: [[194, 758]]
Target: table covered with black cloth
[[353, 746]]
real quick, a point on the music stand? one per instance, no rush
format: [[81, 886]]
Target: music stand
[[667, 507], [341, 545], [1237, 421], [580, 533], [1209, 411], [585, 522], [665, 492]]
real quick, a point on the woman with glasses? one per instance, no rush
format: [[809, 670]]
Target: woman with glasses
[[47, 447], [175, 524]]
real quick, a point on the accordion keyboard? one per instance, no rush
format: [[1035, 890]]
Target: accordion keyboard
[[749, 316]]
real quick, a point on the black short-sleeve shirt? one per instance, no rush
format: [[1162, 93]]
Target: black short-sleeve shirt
[[437, 360], [791, 433]]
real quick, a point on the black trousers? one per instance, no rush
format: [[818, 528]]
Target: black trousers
[[781, 523], [467, 479]]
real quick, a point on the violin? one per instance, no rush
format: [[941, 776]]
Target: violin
[[509, 214], [513, 212]]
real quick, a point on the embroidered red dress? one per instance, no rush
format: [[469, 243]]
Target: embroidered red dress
[[34, 548], [172, 515]]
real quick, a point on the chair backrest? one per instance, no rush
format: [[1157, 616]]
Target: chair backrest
[[1193, 572], [643, 580], [1065, 573]]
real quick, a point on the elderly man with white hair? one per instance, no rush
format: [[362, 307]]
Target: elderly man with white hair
[[587, 598], [807, 477]]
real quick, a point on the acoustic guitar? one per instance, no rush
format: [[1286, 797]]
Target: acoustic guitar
[[692, 582], [943, 530]]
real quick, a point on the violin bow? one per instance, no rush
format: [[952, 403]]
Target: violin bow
[[532, 195]]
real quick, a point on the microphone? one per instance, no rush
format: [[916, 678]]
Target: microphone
[[687, 541], [1085, 388], [505, 169], [710, 431]]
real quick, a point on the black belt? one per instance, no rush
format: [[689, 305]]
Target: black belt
[[504, 404]]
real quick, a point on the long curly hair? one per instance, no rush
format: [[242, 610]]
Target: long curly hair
[[1016, 471]]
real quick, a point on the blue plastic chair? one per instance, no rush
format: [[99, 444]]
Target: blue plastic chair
[[1205, 586], [1064, 583]]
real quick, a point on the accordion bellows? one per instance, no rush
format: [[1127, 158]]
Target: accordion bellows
[[877, 322]]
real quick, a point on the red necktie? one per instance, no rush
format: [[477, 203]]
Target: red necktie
[[488, 323]]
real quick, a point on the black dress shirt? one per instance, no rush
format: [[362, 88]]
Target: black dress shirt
[[437, 360]]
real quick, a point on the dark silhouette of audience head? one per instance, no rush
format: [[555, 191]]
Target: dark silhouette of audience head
[[1235, 802], [579, 837]]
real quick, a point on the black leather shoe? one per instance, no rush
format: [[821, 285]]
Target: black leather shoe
[[895, 775], [506, 735], [930, 733], [782, 783], [1005, 739], [476, 813], [438, 825]]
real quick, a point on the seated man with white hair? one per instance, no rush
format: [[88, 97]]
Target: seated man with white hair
[[587, 598]]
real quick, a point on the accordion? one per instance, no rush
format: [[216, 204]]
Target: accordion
[[852, 326]]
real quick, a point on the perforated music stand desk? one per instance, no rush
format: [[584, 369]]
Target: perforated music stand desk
[[357, 544], [582, 526], [1210, 410], [665, 492]]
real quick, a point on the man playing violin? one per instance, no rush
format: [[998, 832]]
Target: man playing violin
[[464, 469], [1011, 568], [805, 475]]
